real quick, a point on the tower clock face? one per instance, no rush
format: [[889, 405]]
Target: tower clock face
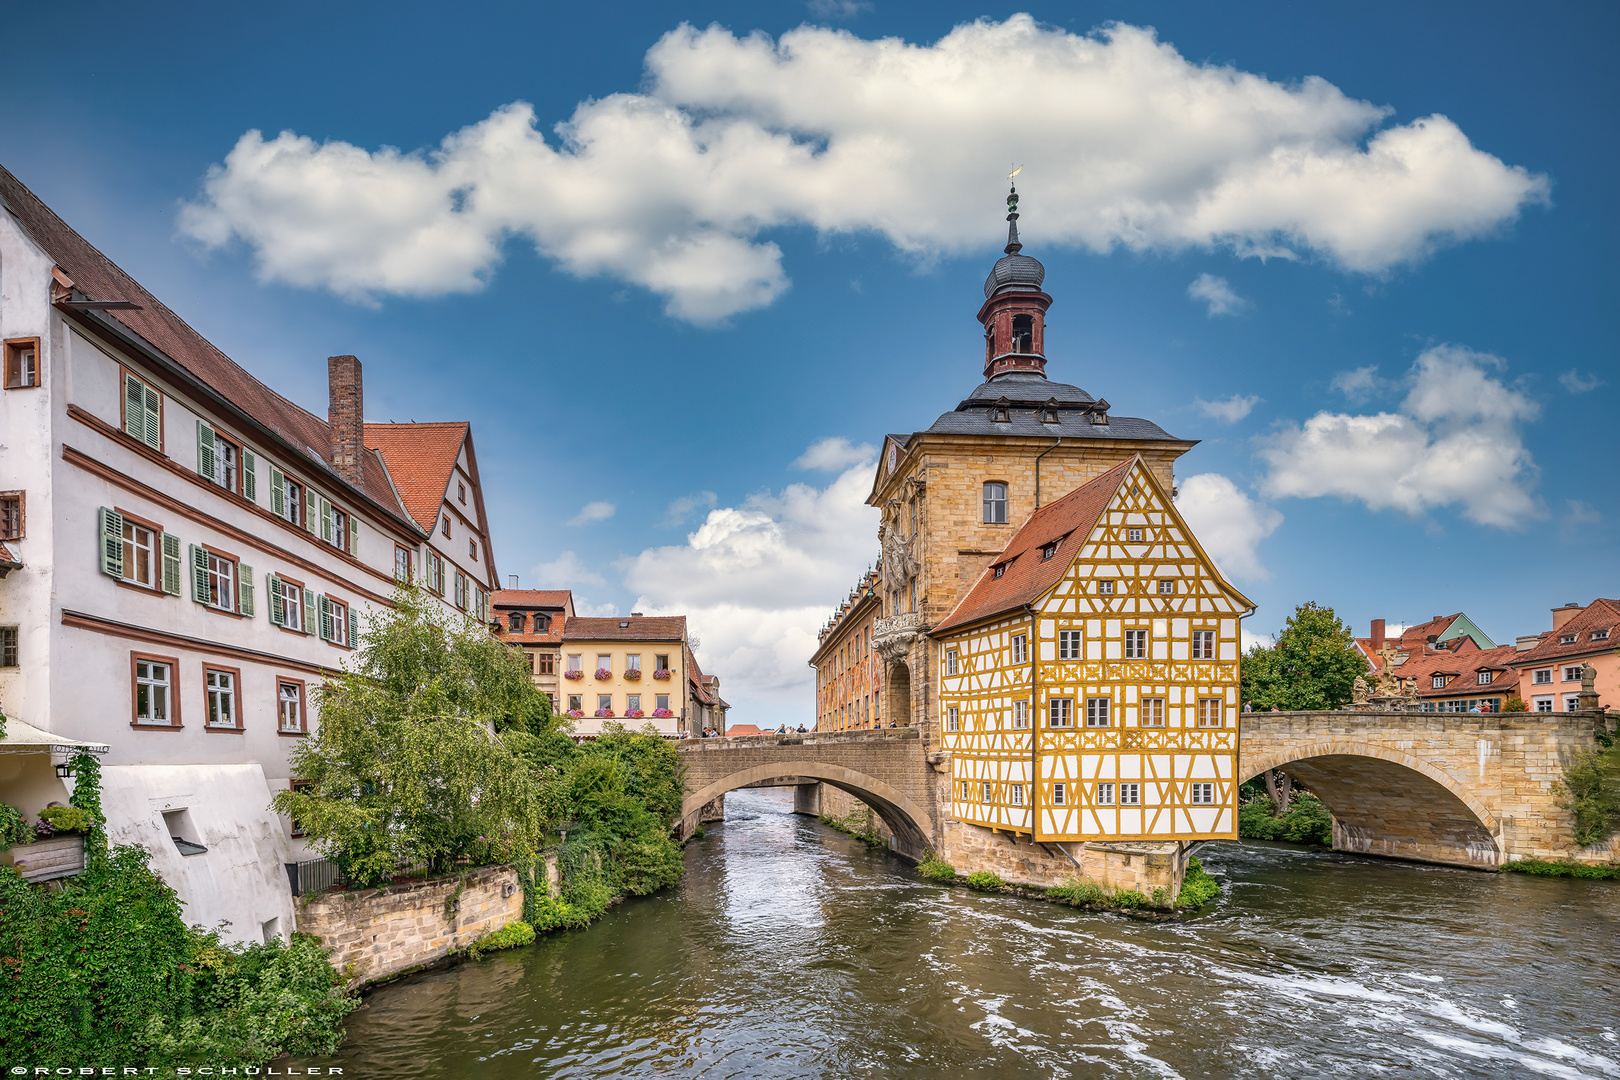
[[894, 456]]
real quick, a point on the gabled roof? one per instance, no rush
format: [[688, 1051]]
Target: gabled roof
[[161, 331], [1027, 576], [1598, 616], [420, 459], [627, 628], [1462, 665], [544, 599]]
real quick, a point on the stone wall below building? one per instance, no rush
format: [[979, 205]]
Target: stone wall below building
[[375, 934]]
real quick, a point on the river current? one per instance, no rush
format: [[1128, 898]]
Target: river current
[[789, 950]]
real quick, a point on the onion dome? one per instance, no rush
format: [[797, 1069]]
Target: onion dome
[[1014, 272]]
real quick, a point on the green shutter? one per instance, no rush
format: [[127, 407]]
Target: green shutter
[[244, 589], [110, 538], [154, 413], [199, 574], [171, 563], [354, 536], [326, 520], [326, 617], [250, 475], [134, 407], [278, 492], [310, 506], [309, 611], [205, 449], [278, 609], [354, 628]]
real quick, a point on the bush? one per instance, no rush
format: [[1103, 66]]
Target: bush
[[67, 819], [1078, 892], [1197, 887], [510, 936], [935, 868], [1129, 898], [1591, 794], [1564, 868], [983, 880], [1307, 821], [14, 827]]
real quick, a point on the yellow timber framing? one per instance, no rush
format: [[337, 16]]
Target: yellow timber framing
[[1162, 734]]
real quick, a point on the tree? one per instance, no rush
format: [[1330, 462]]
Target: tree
[[1313, 664], [407, 767]]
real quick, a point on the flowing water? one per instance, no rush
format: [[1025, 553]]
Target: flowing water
[[789, 950]]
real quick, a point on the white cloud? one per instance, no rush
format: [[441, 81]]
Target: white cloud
[[680, 509], [1217, 293], [837, 9], [835, 454], [1358, 384], [592, 512], [1228, 523], [1230, 409], [1454, 441], [566, 571], [1248, 640], [756, 582], [1576, 383], [673, 188]]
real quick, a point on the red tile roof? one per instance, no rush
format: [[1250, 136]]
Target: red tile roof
[[634, 628], [534, 598], [744, 729], [160, 329], [420, 459], [1027, 575], [1597, 617], [1463, 666]]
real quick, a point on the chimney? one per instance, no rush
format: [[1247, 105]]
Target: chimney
[[1377, 634], [635, 614], [1562, 615], [513, 579], [345, 418]]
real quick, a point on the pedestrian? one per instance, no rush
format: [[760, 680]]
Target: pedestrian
[[1248, 706]]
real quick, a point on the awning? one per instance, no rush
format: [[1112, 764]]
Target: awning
[[26, 738]]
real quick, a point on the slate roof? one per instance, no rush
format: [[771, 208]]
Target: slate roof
[[627, 628], [98, 278], [1028, 576], [1026, 392], [420, 458], [1598, 616]]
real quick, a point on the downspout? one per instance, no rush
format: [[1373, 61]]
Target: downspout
[[1038, 457]]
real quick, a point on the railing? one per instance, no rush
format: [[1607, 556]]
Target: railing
[[318, 875]]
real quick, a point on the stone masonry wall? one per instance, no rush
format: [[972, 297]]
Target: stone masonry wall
[[378, 933]]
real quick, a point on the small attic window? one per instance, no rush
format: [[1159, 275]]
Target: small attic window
[[1600, 635], [1567, 639], [999, 569], [624, 625], [1049, 412], [1001, 412], [1049, 550]]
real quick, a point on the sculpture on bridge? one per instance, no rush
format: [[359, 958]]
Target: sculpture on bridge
[[1588, 678], [1358, 691]]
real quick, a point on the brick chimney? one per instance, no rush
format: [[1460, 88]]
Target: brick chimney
[[1562, 615], [345, 418], [1377, 634]]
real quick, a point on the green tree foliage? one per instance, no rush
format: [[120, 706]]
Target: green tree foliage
[[1313, 665], [1590, 791], [1306, 821], [104, 969], [406, 767]]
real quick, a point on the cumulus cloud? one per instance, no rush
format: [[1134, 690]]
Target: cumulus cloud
[[757, 580], [592, 512], [837, 10], [1576, 383], [680, 509], [1455, 441], [1228, 523], [1358, 384], [1231, 409], [835, 454], [674, 187], [1217, 293], [566, 571]]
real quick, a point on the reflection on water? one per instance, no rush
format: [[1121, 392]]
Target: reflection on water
[[791, 951]]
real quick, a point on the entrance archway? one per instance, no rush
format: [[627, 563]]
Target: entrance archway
[[898, 694]]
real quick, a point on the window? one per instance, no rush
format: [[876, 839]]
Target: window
[[1105, 588], [1209, 712], [661, 661], [995, 503], [444, 524], [950, 661], [1130, 794], [290, 707], [402, 564], [632, 661], [287, 498], [339, 622], [1201, 794], [337, 529], [143, 412], [1439, 682], [1572, 702], [140, 554], [461, 590], [461, 492], [1153, 712], [1068, 644], [223, 703], [1049, 550], [1097, 712], [604, 703], [1060, 794], [213, 579], [1203, 644], [22, 363], [1060, 712], [11, 515], [1133, 536], [1542, 676], [632, 703], [1105, 794], [1566, 639], [472, 550], [1015, 794], [1600, 635], [576, 702], [661, 701], [1020, 714], [1572, 673], [8, 647], [1167, 587], [289, 609], [1543, 704], [987, 792], [1484, 678], [155, 701], [997, 570], [604, 662], [1023, 332], [574, 660], [514, 622], [435, 572], [953, 721], [1020, 649], [1136, 644], [966, 787]]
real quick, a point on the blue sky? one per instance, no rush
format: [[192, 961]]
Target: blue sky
[[1365, 255]]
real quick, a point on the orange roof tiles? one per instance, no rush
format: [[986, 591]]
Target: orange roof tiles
[[1462, 666], [420, 459], [627, 628], [1601, 616], [536, 598]]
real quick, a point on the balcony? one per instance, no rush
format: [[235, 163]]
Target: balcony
[[892, 635]]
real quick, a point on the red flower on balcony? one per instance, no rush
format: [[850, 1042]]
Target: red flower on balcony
[[604, 712], [604, 673], [662, 713], [661, 673], [577, 714], [634, 714], [633, 674], [573, 674]]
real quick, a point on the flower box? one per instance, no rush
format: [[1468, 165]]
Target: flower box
[[46, 860], [633, 674], [604, 673], [573, 674], [604, 712], [662, 713], [634, 714], [577, 714], [661, 673]]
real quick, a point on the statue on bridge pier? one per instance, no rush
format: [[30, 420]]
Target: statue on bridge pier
[[1358, 691]]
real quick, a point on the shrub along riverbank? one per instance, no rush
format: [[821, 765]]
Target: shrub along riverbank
[[1306, 821], [1197, 889]]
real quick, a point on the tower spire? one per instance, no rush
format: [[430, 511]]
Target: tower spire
[[1013, 246]]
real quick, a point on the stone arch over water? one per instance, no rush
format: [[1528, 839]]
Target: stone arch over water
[[1386, 802]]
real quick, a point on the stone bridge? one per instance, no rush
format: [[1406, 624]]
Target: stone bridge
[[1463, 789], [887, 769]]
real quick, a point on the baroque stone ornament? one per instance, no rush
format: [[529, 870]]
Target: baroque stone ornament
[[899, 558], [1358, 691], [893, 635]]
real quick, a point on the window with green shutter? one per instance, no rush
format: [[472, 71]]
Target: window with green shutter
[[278, 492], [244, 589], [354, 628], [200, 591], [309, 612], [326, 617], [311, 508], [326, 520], [110, 533], [205, 449], [250, 475], [171, 564], [272, 585], [142, 412]]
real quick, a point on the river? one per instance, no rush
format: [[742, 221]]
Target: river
[[791, 951]]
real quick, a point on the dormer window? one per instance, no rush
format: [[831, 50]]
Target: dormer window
[[1439, 682], [1049, 412], [1484, 678], [1049, 550], [514, 622], [1001, 412], [1600, 635], [1023, 334], [999, 569], [1567, 639]]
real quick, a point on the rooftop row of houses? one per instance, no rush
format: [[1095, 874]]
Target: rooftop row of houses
[[185, 554]]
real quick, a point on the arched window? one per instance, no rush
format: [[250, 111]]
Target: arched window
[[995, 503], [514, 622]]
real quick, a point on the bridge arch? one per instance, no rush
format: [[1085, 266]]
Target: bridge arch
[[1388, 802], [911, 823]]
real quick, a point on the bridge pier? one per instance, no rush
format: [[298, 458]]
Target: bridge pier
[[807, 799]]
